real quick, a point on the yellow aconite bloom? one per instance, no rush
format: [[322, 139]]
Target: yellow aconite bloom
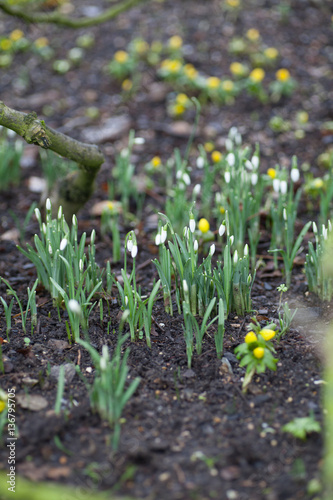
[[182, 99], [5, 44], [238, 69], [208, 146], [259, 352], [178, 109], [203, 225], [156, 161], [16, 35], [174, 66], [318, 183], [228, 85], [253, 34], [2, 406], [233, 3], [190, 71], [41, 42], [121, 56], [257, 75], [250, 337], [222, 210], [140, 46], [267, 333], [213, 82], [110, 205], [216, 156], [271, 172], [271, 53], [175, 42], [282, 75], [127, 85]]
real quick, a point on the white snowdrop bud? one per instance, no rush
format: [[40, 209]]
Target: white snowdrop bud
[[238, 139], [124, 153], [230, 158], [44, 228], [185, 286], [59, 212], [231, 239], [284, 214], [126, 300], [74, 220], [195, 245], [255, 161], [221, 229], [74, 306], [294, 174], [38, 215], [63, 244], [212, 250], [283, 187], [134, 251], [192, 224], [50, 249], [233, 132], [196, 189], [186, 232], [314, 227], [254, 179], [178, 174], [139, 140], [227, 176], [200, 162], [158, 239], [248, 165], [228, 145], [246, 250], [235, 257], [129, 244], [48, 205], [186, 179], [329, 223], [81, 265], [92, 237], [164, 234], [276, 185]]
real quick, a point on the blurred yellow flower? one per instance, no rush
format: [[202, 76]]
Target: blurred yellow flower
[[257, 75], [271, 53], [171, 65], [41, 42], [271, 172], [216, 156], [282, 75], [182, 99], [318, 183], [127, 85], [222, 210], [2, 406], [213, 82], [178, 109], [5, 44], [238, 69], [121, 56], [250, 337], [190, 71], [175, 42], [253, 34], [259, 352], [140, 46], [233, 3], [16, 35], [267, 333], [203, 225], [228, 85], [156, 161]]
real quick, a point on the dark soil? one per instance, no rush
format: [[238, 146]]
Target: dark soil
[[188, 433]]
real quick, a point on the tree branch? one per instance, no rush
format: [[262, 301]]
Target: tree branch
[[57, 18], [75, 189]]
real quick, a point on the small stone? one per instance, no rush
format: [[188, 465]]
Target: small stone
[[69, 372]]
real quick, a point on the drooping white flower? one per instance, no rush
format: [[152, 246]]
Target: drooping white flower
[[228, 145], [185, 286], [48, 205], [230, 158], [74, 220], [227, 176], [164, 234], [276, 185], [249, 165], [38, 215], [283, 187], [294, 174], [255, 161], [195, 245], [74, 306], [59, 212], [63, 244], [235, 257], [221, 229], [246, 250], [139, 140], [212, 250], [134, 251], [196, 190], [158, 239], [192, 224], [200, 162], [129, 244], [231, 239], [254, 179], [186, 179]]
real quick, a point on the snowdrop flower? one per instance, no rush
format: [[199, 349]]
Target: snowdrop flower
[[228, 145], [235, 257], [38, 215], [314, 227], [192, 223], [238, 139], [329, 223], [74, 306], [63, 244], [324, 232], [246, 250], [92, 237], [233, 132], [186, 232], [276, 185], [81, 265], [221, 229], [196, 190], [230, 158], [129, 244], [283, 187], [185, 286], [186, 179], [126, 300], [74, 220], [124, 153], [255, 161], [212, 250], [104, 358], [227, 176], [200, 162], [158, 239], [294, 174], [178, 174], [50, 249], [139, 140], [44, 228], [195, 245], [284, 214], [164, 234], [48, 205], [134, 251], [231, 239], [254, 179], [249, 165]]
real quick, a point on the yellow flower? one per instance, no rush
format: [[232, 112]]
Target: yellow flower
[[282, 75], [203, 225], [213, 82], [110, 205], [233, 3], [190, 71], [174, 66], [178, 109], [121, 56], [250, 337], [182, 99], [238, 69], [216, 156], [127, 85], [253, 34], [16, 35], [5, 44], [222, 210], [318, 183], [2, 406], [208, 146], [175, 42], [267, 333], [259, 352], [271, 53], [228, 85], [271, 172], [41, 42], [257, 75], [140, 46], [156, 46], [156, 161]]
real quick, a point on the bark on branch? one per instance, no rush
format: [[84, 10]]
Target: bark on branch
[[58, 18], [75, 189]]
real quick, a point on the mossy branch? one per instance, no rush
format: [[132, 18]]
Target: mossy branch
[[58, 18], [75, 189]]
